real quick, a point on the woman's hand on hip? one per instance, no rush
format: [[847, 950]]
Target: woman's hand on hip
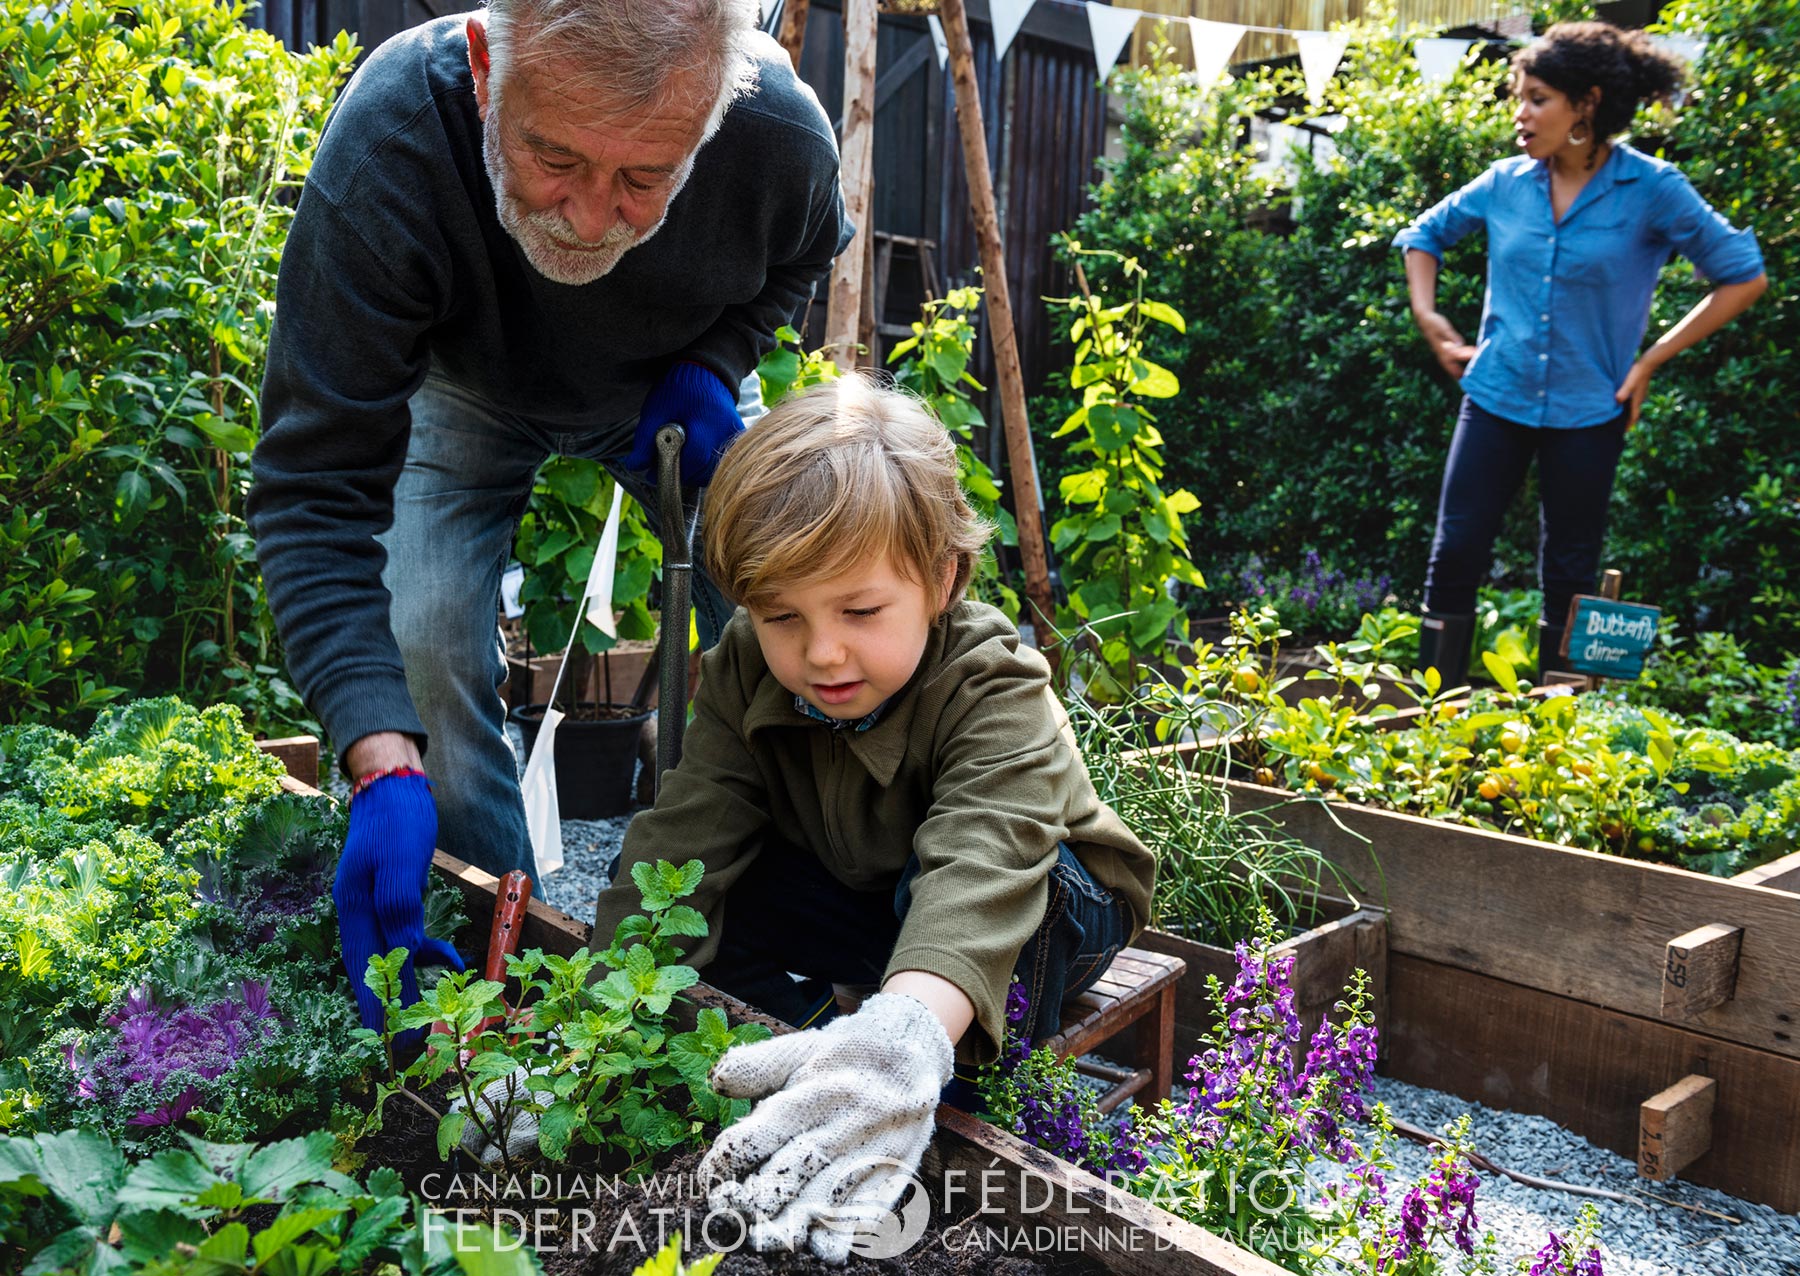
[[1632, 392], [1447, 346]]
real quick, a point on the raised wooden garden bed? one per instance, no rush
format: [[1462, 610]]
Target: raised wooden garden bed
[[1579, 986], [1005, 1196]]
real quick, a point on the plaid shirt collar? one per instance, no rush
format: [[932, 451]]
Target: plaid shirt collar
[[840, 724]]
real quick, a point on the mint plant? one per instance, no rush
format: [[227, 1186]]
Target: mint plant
[[1122, 541], [584, 1060], [934, 364]]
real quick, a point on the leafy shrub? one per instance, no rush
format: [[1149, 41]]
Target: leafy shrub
[[1711, 681], [580, 1059], [145, 148]]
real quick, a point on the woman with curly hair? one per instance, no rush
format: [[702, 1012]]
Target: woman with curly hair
[[1578, 228]]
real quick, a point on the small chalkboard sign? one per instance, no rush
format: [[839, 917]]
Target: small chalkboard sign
[[1607, 638]]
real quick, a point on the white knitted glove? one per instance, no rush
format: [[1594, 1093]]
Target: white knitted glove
[[499, 1104], [846, 1113]]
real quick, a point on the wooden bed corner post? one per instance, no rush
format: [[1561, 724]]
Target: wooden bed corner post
[[1019, 453]]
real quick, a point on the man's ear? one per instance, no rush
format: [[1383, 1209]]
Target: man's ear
[[478, 62]]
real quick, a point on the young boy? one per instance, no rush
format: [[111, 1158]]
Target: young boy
[[883, 790]]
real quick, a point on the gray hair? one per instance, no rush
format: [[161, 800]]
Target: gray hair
[[630, 52]]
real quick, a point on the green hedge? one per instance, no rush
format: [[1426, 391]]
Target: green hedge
[[148, 154], [1313, 418]]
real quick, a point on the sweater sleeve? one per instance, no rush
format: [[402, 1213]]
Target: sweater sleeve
[[746, 331], [1003, 780], [712, 807], [347, 351]]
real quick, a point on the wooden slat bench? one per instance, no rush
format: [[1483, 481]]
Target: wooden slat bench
[[1138, 989]]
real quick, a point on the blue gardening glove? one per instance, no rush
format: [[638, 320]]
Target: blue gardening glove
[[693, 398], [380, 888]]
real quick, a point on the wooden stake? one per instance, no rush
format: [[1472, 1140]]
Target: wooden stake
[[1022, 462], [793, 29], [1675, 1127], [857, 166], [1700, 970]]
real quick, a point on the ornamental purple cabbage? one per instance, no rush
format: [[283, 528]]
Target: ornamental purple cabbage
[[156, 1043]]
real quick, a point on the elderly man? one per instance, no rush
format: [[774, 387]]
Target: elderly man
[[552, 226]]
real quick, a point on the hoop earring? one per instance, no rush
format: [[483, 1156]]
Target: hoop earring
[[1585, 137]]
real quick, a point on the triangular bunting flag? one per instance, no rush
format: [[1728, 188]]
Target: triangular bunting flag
[[1214, 43], [1439, 58], [1007, 16], [938, 41], [1686, 47], [1320, 53], [1110, 28]]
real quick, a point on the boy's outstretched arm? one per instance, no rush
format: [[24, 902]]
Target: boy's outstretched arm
[[941, 997]]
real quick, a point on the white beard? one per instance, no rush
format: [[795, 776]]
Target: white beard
[[537, 233]]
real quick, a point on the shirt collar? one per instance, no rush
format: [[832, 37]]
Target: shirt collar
[[842, 724], [1622, 165]]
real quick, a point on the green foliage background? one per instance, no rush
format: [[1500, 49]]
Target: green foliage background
[[1312, 415], [147, 148]]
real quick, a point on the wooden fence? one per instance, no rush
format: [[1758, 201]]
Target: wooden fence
[[1046, 127]]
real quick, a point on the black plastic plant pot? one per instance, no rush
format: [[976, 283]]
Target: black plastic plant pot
[[596, 755]]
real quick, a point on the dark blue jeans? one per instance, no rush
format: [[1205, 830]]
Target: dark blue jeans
[[1488, 460], [787, 913]]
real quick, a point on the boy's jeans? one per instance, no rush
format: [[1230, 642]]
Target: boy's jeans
[[787, 913], [457, 503]]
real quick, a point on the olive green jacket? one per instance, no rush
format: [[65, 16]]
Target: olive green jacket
[[971, 767]]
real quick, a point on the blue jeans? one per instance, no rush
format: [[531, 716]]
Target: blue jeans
[[457, 504], [788, 913], [1488, 460]]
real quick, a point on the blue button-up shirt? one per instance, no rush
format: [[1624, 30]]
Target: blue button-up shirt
[[1567, 302]]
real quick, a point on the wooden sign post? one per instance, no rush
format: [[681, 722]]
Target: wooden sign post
[[1021, 461]]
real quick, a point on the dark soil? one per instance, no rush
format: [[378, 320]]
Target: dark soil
[[583, 1222]]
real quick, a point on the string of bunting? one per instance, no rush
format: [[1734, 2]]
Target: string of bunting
[[1111, 27]]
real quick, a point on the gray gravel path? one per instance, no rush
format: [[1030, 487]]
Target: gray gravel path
[[1659, 1240]]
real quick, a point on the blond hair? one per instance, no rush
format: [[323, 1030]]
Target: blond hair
[[839, 474]]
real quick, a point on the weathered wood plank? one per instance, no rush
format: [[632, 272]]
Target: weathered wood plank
[[298, 753], [1570, 922], [1782, 874], [1324, 958], [972, 1163], [1589, 1069], [1675, 1127]]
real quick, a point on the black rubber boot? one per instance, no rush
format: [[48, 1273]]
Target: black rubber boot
[[1550, 658], [1445, 640]]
